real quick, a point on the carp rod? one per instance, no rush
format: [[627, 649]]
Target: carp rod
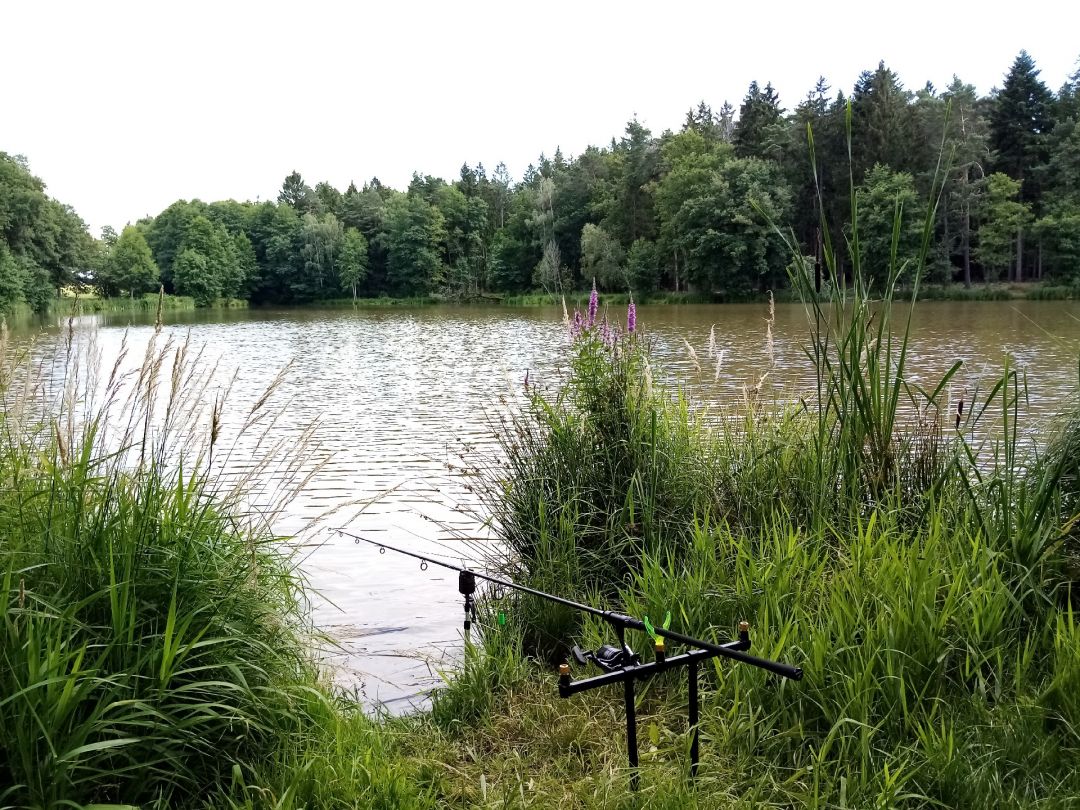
[[467, 585], [618, 664]]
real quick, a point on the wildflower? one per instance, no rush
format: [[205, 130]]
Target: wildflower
[[631, 316], [594, 304], [578, 324], [609, 334]]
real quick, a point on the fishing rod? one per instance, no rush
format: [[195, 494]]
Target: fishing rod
[[618, 620], [619, 664]]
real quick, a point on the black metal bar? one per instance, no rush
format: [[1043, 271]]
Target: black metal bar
[[631, 730], [692, 714], [639, 672], [613, 618]]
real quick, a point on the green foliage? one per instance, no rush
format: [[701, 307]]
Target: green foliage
[[193, 277], [885, 199], [12, 279], [1020, 121], [129, 266], [45, 243], [416, 231], [353, 263], [297, 194], [723, 227], [921, 574], [1003, 217], [602, 258], [643, 267], [760, 130], [702, 197]]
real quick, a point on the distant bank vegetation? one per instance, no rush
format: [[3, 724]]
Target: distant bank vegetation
[[687, 211]]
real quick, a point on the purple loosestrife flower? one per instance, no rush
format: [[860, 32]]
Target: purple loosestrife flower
[[594, 303], [631, 317], [608, 336], [577, 326]]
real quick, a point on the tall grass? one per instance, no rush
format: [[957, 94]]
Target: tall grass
[[155, 647], [918, 562]]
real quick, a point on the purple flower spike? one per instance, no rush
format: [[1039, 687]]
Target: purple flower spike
[[594, 303], [577, 326], [631, 317]]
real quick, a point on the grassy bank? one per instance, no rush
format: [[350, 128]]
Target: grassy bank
[[144, 303], [1034, 291]]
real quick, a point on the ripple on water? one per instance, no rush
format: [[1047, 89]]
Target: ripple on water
[[396, 394]]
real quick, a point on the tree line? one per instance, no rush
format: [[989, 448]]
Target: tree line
[[688, 210]]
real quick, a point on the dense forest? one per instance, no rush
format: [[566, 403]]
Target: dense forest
[[688, 210]]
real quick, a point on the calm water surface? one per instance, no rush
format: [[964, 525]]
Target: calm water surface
[[396, 392]]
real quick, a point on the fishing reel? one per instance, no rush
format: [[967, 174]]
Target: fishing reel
[[607, 657]]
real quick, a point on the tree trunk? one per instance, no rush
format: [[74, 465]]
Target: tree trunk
[[966, 243], [1019, 255]]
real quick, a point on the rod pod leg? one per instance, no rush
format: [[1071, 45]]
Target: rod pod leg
[[692, 716], [631, 730]]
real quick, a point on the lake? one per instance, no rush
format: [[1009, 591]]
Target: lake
[[394, 393]]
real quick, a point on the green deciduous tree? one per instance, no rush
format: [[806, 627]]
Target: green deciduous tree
[[1003, 217], [12, 279], [888, 209], [416, 234], [602, 258], [643, 266], [192, 276], [130, 266], [353, 261]]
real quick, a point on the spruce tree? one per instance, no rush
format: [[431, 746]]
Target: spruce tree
[[759, 130], [1020, 121]]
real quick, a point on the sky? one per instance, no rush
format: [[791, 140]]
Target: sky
[[124, 107]]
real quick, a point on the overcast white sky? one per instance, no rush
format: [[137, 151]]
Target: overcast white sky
[[124, 107]]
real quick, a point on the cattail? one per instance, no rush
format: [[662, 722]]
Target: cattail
[[959, 411]]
